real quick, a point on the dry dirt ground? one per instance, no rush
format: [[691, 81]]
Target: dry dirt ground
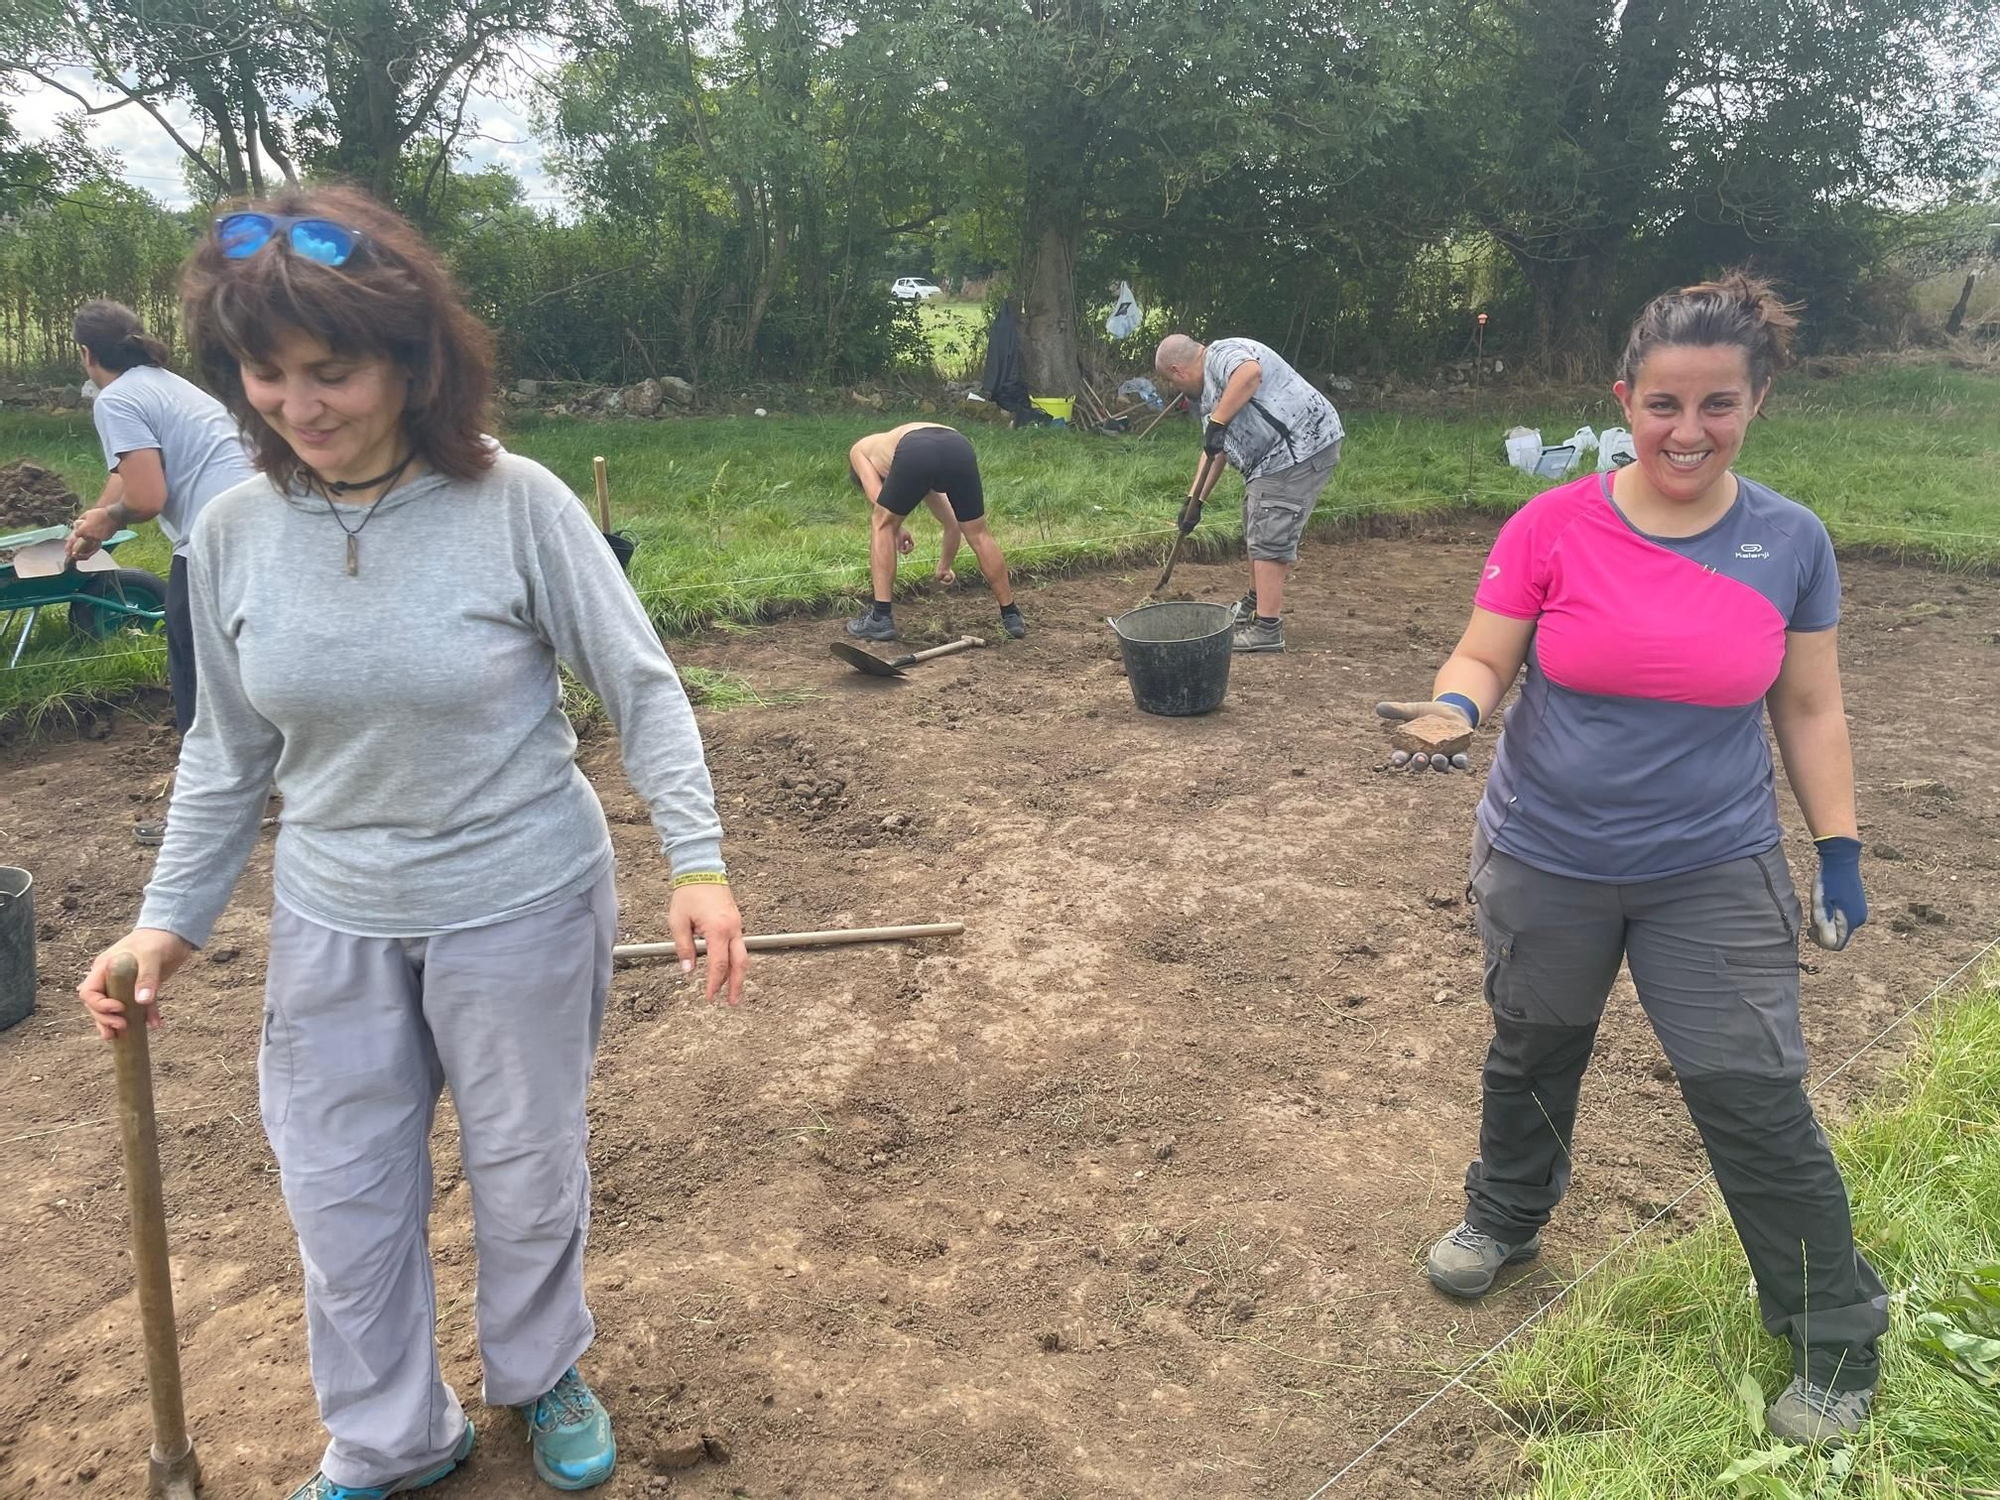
[[1123, 1193]]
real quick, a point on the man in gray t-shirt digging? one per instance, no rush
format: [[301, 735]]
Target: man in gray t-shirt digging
[[1285, 438]]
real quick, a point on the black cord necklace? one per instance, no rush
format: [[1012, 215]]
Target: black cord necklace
[[342, 487]]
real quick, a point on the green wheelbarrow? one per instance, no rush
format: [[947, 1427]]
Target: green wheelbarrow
[[102, 598]]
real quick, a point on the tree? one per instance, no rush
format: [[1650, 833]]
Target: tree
[[1103, 114], [763, 156], [1573, 125], [350, 84], [389, 71], [225, 60], [36, 175]]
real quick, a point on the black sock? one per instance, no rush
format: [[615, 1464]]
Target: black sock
[[881, 610], [1270, 621]]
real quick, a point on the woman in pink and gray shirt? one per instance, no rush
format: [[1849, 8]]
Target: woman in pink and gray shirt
[[1631, 816]]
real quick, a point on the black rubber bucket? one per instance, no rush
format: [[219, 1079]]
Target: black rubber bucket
[[1176, 656], [17, 946]]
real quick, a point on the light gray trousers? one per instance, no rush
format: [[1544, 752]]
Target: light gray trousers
[[360, 1037]]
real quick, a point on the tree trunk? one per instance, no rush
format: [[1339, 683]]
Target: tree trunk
[[1956, 321], [251, 105], [1047, 281], [1567, 289], [216, 106]]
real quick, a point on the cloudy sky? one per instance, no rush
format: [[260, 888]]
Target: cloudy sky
[[152, 162]]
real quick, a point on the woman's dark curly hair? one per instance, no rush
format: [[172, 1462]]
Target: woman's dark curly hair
[[392, 298]]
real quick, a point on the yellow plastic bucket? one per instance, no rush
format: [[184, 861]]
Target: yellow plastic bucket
[[1055, 406]]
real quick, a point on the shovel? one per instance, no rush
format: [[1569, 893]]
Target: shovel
[[1204, 485], [172, 1473], [874, 666]]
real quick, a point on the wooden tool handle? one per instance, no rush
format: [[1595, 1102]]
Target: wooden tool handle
[[603, 495], [771, 940], [1173, 556], [148, 1214], [963, 643], [1212, 465]]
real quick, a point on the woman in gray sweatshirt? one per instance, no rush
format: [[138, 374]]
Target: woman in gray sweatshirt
[[378, 620]]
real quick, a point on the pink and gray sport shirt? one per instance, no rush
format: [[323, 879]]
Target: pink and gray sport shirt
[[1637, 749]]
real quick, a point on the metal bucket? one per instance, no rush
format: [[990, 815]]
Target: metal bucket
[[17, 946], [1176, 656]]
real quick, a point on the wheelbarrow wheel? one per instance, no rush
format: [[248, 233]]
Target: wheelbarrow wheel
[[135, 586]]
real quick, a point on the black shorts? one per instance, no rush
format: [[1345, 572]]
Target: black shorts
[[934, 458], [180, 645]]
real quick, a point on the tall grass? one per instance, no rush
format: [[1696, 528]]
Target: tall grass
[[741, 518], [1637, 1389]]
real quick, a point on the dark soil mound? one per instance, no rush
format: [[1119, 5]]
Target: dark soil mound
[[31, 496]]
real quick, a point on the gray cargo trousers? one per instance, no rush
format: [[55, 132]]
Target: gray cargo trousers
[[360, 1037], [1714, 956]]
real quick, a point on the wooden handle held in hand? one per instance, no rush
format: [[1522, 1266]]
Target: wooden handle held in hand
[[837, 937], [172, 1452]]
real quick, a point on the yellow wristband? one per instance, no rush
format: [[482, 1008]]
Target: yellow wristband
[[700, 877]]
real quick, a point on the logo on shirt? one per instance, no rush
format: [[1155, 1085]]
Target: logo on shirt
[[1492, 571], [1752, 552]]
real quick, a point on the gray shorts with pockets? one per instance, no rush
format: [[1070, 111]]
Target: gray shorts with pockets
[[1277, 506]]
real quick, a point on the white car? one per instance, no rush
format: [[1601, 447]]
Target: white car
[[914, 289]]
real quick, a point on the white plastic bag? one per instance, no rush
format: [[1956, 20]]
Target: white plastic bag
[[1139, 388], [1584, 440], [1614, 449], [1125, 314], [1524, 448]]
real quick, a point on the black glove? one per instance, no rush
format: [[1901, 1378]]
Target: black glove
[[1190, 515], [1212, 436]]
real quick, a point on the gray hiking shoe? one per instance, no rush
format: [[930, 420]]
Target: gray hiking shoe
[[1258, 637], [1808, 1413], [1465, 1261], [868, 628], [152, 832], [1246, 607]]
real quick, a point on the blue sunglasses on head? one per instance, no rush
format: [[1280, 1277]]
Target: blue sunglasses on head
[[321, 240]]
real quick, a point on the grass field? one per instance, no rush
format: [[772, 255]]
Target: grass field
[[1625, 1394], [737, 518], [957, 333]]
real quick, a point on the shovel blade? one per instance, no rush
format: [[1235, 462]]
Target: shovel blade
[[855, 657]]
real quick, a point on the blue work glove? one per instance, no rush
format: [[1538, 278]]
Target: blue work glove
[[1212, 437], [1838, 905]]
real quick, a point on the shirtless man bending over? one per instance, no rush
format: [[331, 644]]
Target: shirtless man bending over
[[931, 464]]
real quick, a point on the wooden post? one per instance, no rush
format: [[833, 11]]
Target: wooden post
[[603, 495]]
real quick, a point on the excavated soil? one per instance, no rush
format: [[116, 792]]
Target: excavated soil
[[32, 497], [1123, 1193]]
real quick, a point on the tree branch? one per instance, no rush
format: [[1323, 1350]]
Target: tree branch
[[108, 75], [62, 88]]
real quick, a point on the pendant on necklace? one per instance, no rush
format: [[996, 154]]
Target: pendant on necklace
[[353, 555]]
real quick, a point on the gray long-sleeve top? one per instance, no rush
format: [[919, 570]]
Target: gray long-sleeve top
[[410, 713]]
